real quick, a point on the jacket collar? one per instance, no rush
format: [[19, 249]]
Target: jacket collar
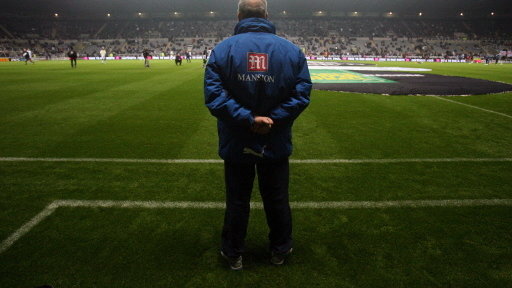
[[255, 25]]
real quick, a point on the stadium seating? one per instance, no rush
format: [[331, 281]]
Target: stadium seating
[[379, 37]]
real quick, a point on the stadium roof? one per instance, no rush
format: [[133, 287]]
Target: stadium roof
[[227, 7]]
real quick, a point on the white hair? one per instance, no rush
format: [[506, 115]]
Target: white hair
[[252, 8]]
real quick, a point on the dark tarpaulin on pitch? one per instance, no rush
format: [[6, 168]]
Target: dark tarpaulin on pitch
[[428, 84]]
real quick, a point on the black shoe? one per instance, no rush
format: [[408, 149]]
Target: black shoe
[[278, 258], [235, 263]]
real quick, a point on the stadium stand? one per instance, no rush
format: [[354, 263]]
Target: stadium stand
[[379, 37]]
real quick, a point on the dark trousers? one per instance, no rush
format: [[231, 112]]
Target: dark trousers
[[73, 63], [273, 178]]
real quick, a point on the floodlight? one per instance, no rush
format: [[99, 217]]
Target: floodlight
[[420, 14]]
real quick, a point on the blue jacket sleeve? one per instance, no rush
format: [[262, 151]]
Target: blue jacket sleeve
[[218, 100], [286, 112]]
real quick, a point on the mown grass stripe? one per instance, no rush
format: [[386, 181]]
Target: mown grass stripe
[[299, 161], [254, 205]]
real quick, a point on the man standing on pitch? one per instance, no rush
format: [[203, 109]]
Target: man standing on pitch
[[27, 54], [72, 57], [146, 56], [103, 54], [178, 59], [256, 85], [205, 57]]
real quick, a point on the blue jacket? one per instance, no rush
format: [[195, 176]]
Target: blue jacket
[[256, 73]]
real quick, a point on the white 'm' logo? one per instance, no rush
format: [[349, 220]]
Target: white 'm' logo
[[257, 62]]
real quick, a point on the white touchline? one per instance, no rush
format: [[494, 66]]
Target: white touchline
[[25, 228], [299, 161], [475, 107], [404, 160], [119, 160]]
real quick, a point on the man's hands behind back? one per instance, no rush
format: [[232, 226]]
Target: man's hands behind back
[[262, 125]]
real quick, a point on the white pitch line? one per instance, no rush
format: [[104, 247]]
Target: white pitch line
[[295, 205], [138, 204], [7, 243], [475, 107], [27, 227], [401, 204], [117, 160], [404, 160], [206, 161]]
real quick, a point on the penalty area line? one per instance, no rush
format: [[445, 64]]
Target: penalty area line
[[25, 228], [474, 107]]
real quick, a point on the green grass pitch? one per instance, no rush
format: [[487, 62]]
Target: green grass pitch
[[125, 111]]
